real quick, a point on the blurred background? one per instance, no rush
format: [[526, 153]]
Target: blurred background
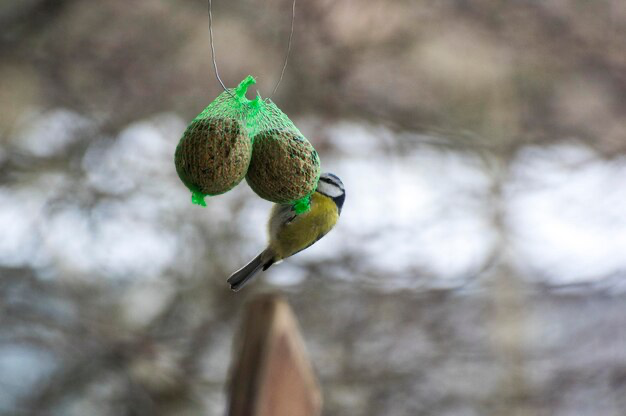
[[478, 267]]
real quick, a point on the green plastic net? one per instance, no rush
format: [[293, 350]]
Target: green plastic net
[[235, 137]]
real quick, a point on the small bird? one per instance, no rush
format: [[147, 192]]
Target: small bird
[[290, 233]]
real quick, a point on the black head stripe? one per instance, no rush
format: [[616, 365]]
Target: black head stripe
[[331, 179], [331, 186], [330, 189]]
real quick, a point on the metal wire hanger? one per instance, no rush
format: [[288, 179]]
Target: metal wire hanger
[[213, 58]]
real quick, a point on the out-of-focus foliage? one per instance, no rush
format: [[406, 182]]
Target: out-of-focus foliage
[[477, 269]]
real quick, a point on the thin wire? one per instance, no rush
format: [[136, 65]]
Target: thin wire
[[217, 74], [282, 72]]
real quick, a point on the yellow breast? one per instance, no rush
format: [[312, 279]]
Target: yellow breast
[[306, 228]]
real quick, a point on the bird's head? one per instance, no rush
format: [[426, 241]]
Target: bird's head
[[331, 186]]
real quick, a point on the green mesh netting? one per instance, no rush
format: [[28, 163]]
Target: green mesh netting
[[285, 167], [214, 153], [235, 137]]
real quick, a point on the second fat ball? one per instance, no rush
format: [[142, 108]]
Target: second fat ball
[[284, 167]]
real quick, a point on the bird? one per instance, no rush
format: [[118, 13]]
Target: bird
[[290, 233]]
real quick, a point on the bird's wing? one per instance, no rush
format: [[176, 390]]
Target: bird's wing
[[288, 214]]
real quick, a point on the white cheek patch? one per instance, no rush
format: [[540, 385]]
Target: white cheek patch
[[329, 190]]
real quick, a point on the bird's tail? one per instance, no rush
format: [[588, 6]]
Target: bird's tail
[[261, 262]]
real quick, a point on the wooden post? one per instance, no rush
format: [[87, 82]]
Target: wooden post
[[272, 375]]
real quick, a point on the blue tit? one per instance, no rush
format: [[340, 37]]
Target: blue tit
[[290, 233]]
